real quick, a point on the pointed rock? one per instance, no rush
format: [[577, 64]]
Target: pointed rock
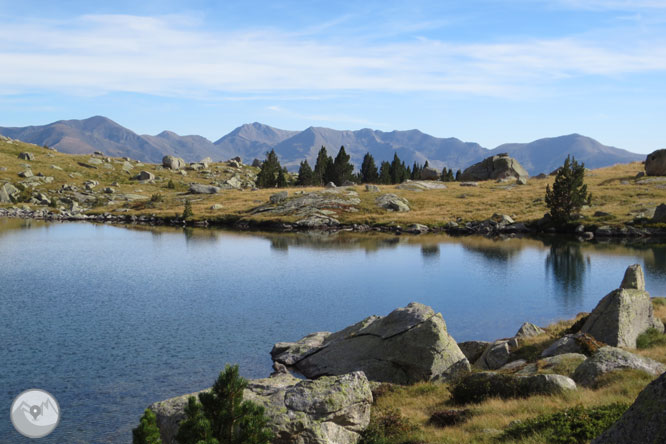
[[633, 278]]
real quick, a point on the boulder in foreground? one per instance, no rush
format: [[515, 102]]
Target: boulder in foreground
[[609, 359], [411, 344], [332, 409], [644, 422]]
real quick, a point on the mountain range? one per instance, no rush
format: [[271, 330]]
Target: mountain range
[[253, 140]]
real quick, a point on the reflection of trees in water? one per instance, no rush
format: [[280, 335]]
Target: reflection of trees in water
[[568, 265], [497, 252], [430, 251], [280, 244]]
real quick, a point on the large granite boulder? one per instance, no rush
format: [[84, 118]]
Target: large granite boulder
[[609, 359], [644, 422], [392, 202], [477, 387], [332, 409], [623, 314], [496, 167], [495, 356], [199, 188], [473, 349], [144, 175], [410, 344], [8, 193], [173, 163], [429, 173], [655, 163]]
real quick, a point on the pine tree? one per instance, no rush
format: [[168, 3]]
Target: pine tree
[[569, 193], [305, 175], [369, 172], [342, 167], [187, 212], [195, 428], [449, 176], [385, 173], [399, 172], [268, 176], [416, 171], [282, 179], [322, 167], [426, 165], [458, 173], [147, 432], [443, 175], [232, 420]]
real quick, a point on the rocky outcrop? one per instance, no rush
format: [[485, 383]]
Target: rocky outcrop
[[8, 193], [429, 173], [371, 188], [644, 421], [624, 313], [331, 409], [392, 202], [655, 163], [473, 349], [609, 359], [410, 344], [173, 163], [496, 167], [564, 364]]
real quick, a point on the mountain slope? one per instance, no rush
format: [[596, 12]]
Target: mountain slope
[[253, 140]]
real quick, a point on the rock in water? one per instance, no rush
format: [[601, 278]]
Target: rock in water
[[331, 409], [609, 359], [644, 421], [623, 314], [655, 163], [173, 163], [496, 167], [410, 344]]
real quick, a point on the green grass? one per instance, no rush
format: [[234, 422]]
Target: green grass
[[650, 338]]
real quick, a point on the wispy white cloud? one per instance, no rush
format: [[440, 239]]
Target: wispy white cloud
[[172, 56]]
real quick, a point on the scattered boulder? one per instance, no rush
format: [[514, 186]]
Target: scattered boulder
[[495, 167], [473, 349], [417, 229], [330, 185], [26, 156], [233, 163], [528, 330], [109, 190], [95, 161], [573, 343], [173, 163], [8, 193], [317, 220], [144, 175], [495, 356], [216, 207], [469, 184], [331, 409], [410, 344], [127, 167], [659, 213], [623, 314], [644, 421], [199, 188], [564, 364], [429, 173], [371, 188], [392, 202], [26, 174], [279, 197], [609, 359], [421, 185], [477, 387], [655, 163]]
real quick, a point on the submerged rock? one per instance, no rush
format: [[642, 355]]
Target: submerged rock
[[411, 344], [331, 409]]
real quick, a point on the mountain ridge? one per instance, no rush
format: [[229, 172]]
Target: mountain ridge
[[253, 140]]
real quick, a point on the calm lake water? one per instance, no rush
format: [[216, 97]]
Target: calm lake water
[[110, 319]]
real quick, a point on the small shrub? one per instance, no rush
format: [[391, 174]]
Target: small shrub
[[650, 338], [572, 425], [187, 212], [445, 418], [382, 390], [588, 344], [171, 185], [157, 197], [478, 387], [387, 426], [147, 432]]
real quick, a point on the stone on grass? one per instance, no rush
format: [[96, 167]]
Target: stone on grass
[[173, 163], [392, 202], [26, 156], [608, 359], [528, 330]]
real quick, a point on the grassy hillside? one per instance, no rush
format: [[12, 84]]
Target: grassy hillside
[[615, 191]]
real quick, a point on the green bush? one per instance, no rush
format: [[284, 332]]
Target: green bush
[[572, 425], [386, 427], [187, 212], [147, 432], [650, 338]]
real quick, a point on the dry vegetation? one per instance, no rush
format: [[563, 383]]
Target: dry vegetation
[[615, 191]]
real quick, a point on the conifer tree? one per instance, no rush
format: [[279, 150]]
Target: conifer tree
[[369, 173], [268, 176], [449, 175], [569, 193], [385, 173], [187, 211], [195, 428], [399, 172], [342, 167], [442, 176], [426, 165], [458, 173], [147, 432], [416, 171], [322, 167], [282, 179], [305, 175]]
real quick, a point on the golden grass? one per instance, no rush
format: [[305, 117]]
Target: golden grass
[[614, 191]]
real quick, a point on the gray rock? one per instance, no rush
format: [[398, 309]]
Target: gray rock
[[495, 356], [234, 182], [26, 156], [655, 163], [317, 220], [109, 190], [513, 365], [410, 344], [495, 167], [560, 364], [371, 188], [330, 185], [469, 184], [479, 386], [608, 359], [421, 185], [3, 169], [314, 207], [417, 229], [127, 167], [26, 174], [659, 213], [392, 202], [528, 330], [144, 175], [198, 188], [94, 161], [429, 173], [521, 181], [623, 314], [331, 409], [8, 193], [215, 207], [473, 349], [173, 163], [644, 421], [566, 344], [633, 278]]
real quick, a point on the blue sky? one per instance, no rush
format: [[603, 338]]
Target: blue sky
[[488, 71]]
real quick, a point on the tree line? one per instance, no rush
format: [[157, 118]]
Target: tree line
[[341, 171]]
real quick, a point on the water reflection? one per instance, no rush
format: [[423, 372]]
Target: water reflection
[[568, 266], [430, 251]]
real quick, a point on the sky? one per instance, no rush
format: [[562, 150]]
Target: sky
[[486, 71]]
